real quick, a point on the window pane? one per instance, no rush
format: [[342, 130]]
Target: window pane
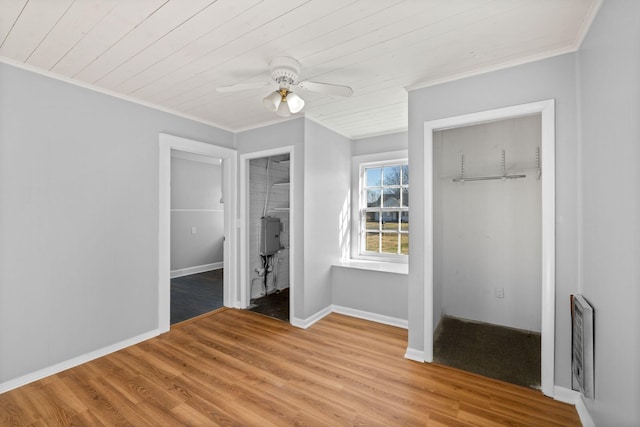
[[404, 244], [405, 174], [373, 198], [392, 175], [373, 242], [390, 220], [391, 197], [390, 243], [373, 221], [373, 177], [405, 221], [405, 197]]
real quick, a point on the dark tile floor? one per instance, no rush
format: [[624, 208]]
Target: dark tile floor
[[195, 294], [274, 305], [493, 351]]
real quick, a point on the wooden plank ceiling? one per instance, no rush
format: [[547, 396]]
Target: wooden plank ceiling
[[174, 53]]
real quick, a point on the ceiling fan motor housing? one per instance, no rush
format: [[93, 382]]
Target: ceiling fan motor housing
[[285, 71]]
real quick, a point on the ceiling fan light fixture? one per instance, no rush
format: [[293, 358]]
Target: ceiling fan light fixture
[[273, 101], [283, 110], [284, 73], [296, 104]]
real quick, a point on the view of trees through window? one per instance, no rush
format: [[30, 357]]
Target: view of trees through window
[[385, 219]]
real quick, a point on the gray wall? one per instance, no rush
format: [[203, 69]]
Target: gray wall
[[196, 191], [380, 144], [327, 212], [371, 291], [487, 234], [78, 218], [547, 79], [609, 83]]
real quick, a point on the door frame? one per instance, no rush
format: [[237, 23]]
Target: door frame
[[546, 109], [245, 270], [229, 160]]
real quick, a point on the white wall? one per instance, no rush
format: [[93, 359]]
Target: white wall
[[552, 78], [196, 192], [489, 231], [78, 219], [609, 83]]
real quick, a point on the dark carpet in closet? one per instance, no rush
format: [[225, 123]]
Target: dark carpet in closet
[[275, 305], [493, 351], [196, 294]]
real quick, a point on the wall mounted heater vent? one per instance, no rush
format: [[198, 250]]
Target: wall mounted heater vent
[[582, 346]]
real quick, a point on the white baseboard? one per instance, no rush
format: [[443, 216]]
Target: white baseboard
[[415, 355], [565, 395], [573, 397], [195, 270], [305, 323], [79, 360], [374, 317]]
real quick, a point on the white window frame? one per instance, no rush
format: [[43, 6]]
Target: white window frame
[[358, 234]]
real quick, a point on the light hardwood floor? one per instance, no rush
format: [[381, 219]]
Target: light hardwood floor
[[240, 368]]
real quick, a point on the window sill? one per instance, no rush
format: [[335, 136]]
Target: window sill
[[387, 267]]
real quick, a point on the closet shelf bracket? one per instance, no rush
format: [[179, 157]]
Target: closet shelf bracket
[[504, 175]]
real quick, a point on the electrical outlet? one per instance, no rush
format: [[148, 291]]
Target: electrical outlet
[[499, 292], [194, 230]]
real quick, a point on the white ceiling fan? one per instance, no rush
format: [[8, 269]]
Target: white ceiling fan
[[284, 75]]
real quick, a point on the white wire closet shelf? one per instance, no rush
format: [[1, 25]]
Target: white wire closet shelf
[[504, 174]]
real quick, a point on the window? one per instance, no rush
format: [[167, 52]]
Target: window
[[384, 214]]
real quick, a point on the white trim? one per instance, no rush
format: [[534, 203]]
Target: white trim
[[583, 413], [78, 360], [183, 155], [573, 397], [245, 273], [352, 312], [181, 272], [198, 210], [373, 317], [229, 160], [377, 266], [547, 110], [565, 395], [586, 24], [357, 162], [305, 323], [414, 354], [46, 73]]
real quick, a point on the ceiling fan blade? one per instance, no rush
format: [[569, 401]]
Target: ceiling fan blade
[[243, 86], [326, 88]]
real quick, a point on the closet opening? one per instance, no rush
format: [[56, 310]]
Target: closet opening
[[267, 256], [487, 249], [486, 293]]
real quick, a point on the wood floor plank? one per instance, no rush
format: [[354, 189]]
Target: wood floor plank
[[237, 368]]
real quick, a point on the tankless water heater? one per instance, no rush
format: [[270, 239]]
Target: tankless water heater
[[270, 235]]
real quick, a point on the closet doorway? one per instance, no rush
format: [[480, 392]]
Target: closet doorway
[[267, 241], [487, 249], [433, 292]]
